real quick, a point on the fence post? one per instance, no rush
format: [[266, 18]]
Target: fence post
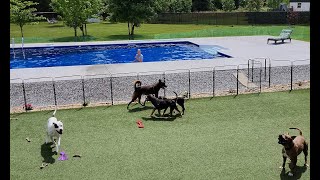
[[83, 93], [24, 96], [269, 74], [213, 81], [189, 83], [111, 92], [248, 70], [291, 76], [265, 69], [54, 92], [237, 79], [252, 71], [260, 78], [164, 79]]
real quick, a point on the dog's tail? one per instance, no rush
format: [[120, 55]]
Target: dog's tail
[[137, 84], [175, 99], [298, 130], [54, 113]]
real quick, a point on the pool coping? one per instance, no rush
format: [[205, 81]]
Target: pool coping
[[241, 48]]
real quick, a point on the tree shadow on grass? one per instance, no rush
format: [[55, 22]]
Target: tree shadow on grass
[[46, 153], [74, 39], [166, 117], [126, 37], [297, 175], [55, 26]]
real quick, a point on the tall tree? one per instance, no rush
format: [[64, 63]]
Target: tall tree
[[202, 5], [228, 5], [179, 6], [133, 12], [275, 4], [21, 13], [75, 12], [90, 7], [254, 5]]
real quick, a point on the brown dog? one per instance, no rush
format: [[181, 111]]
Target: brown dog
[[292, 147], [149, 89]]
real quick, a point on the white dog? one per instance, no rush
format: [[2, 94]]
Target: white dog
[[54, 130]]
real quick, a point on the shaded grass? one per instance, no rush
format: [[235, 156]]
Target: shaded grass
[[222, 138], [44, 32]]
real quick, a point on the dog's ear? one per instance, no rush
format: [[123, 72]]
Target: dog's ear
[[159, 80]]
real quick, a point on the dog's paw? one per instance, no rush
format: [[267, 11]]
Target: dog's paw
[[281, 167], [43, 165], [290, 174], [306, 165]]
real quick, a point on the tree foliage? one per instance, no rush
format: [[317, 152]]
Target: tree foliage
[[228, 5], [21, 13], [76, 12], [133, 12], [203, 5], [174, 6], [43, 5], [254, 5]]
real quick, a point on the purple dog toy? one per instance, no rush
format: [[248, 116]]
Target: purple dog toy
[[63, 156]]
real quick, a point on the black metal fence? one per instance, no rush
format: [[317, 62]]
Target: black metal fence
[[233, 18], [253, 77]]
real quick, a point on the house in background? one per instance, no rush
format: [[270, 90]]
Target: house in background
[[299, 5]]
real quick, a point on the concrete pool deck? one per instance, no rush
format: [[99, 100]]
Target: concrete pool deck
[[241, 48]]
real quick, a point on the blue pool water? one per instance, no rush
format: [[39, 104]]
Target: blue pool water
[[107, 54]]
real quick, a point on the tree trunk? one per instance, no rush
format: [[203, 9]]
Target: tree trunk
[[75, 31], [129, 29], [21, 30], [81, 28], [132, 30], [85, 27]]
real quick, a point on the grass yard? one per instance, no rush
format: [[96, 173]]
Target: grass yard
[[44, 32], [221, 138]]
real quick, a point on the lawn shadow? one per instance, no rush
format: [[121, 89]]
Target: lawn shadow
[[125, 37], [79, 38], [137, 109], [298, 173], [46, 153], [166, 117], [55, 26]]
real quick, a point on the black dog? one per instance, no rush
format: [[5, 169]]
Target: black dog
[[149, 89], [179, 99], [160, 104]]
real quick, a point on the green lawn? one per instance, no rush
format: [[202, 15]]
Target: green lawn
[[105, 31], [221, 138]]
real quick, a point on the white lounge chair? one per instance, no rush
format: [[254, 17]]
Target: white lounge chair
[[52, 21]]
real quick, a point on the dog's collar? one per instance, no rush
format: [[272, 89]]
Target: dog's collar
[[289, 147]]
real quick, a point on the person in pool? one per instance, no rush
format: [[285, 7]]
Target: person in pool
[[138, 57]]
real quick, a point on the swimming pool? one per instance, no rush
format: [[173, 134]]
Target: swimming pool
[[107, 54]]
